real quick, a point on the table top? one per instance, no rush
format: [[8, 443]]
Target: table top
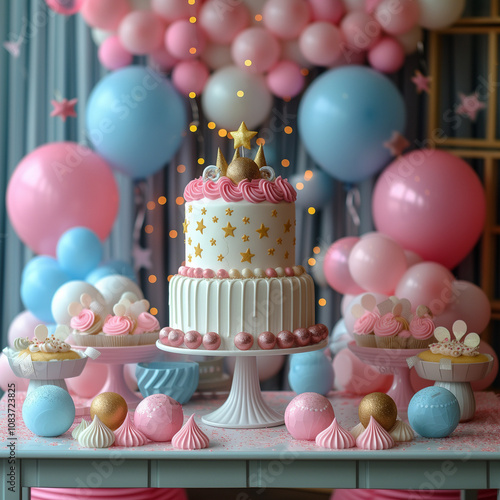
[[243, 457]]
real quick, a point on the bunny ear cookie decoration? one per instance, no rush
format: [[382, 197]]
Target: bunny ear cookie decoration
[[368, 302], [41, 332], [357, 310], [459, 329], [472, 340], [442, 334], [74, 308]]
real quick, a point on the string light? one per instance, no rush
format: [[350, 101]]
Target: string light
[[308, 175], [311, 210], [181, 168], [312, 261], [304, 71], [173, 233], [258, 17], [193, 127], [152, 278], [148, 229], [260, 141], [240, 93], [192, 50], [201, 161], [222, 132], [153, 311], [179, 200], [162, 200], [170, 276], [285, 163], [316, 250], [288, 129], [191, 2], [322, 302], [151, 205], [192, 19], [248, 62], [192, 95], [299, 186], [211, 125]]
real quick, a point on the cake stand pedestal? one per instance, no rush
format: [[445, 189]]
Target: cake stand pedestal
[[116, 358], [245, 407], [390, 361]]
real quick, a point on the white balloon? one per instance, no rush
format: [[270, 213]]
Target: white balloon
[[222, 104], [114, 286], [440, 14], [216, 56], [71, 292], [409, 40], [99, 35]]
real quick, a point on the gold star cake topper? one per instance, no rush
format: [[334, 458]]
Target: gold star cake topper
[[242, 136]]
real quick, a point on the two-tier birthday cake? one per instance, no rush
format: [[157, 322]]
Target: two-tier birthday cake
[[239, 287]]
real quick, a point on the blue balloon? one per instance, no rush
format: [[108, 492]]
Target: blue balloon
[[315, 192], [39, 262], [135, 120], [344, 118], [79, 251], [311, 372], [37, 289], [100, 272], [123, 268]]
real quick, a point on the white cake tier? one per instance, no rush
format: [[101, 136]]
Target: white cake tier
[[239, 235], [230, 306]]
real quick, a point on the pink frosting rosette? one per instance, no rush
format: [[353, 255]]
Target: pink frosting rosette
[[422, 332], [83, 321], [229, 190], [251, 191], [365, 324], [386, 330], [117, 325], [194, 190], [146, 323], [289, 194], [271, 191]]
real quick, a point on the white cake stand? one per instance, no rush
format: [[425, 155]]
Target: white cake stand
[[245, 407]]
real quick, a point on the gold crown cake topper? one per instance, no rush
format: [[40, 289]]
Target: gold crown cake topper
[[240, 167]]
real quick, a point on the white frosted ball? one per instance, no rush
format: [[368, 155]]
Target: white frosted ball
[[259, 273], [114, 286], [247, 273]]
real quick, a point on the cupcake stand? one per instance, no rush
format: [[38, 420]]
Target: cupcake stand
[[245, 407], [390, 361]]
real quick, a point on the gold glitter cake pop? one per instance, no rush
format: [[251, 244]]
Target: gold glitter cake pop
[[381, 407], [111, 409]]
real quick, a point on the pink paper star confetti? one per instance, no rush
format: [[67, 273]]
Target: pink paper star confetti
[[397, 143], [13, 48], [421, 82], [64, 108], [142, 257], [469, 105]]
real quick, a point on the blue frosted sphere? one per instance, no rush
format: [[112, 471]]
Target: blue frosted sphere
[[310, 372], [48, 411], [434, 412]]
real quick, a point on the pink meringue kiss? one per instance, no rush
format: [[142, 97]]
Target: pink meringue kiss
[[266, 340], [285, 339], [211, 341], [374, 437], [128, 435], [302, 337], [243, 341], [190, 437], [335, 437], [192, 339], [175, 338]]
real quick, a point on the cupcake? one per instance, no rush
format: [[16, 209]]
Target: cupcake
[[146, 325], [390, 325], [366, 316], [421, 329]]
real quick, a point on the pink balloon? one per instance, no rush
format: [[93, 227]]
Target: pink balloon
[[185, 40], [222, 25], [397, 17], [431, 202], [113, 55], [336, 266], [412, 258], [352, 375], [255, 50], [23, 325], [387, 55], [360, 30], [320, 43], [174, 10], [349, 319], [58, 186], [91, 380], [286, 18], [65, 7], [469, 303], [377, 264], [349, 56], [285, 79], [105, 14], [429, 284], [141, 32], [7, 376], [162, 59], [327, 10], [481, 385], [190, 76]]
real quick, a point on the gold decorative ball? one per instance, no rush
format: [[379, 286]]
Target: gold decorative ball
[[111, 409], [381, 407], [242, 168]]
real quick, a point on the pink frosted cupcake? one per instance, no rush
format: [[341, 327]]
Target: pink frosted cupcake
[[85, 321], [147, 328], [363, 329], [421, 329], [387, 330]]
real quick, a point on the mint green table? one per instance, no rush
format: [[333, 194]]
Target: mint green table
[[257, 458]]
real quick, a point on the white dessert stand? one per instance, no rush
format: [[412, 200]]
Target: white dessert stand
[[245, 407], [116, 358], [390, 361]]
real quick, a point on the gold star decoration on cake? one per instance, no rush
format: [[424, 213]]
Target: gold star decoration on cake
[[203, 211], [229, 230], [274, 213], [245, 237], [247, 256], [242, 136], [286, 255], [190, 258], [185, 225], [201, 226], [262, 231], [190, 209], [279, 241], [246, 220], [213, 242], [190, 241], [220, 257], [270, 251], [287, 226], [229, 211], [198, 250], [215, 219]]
